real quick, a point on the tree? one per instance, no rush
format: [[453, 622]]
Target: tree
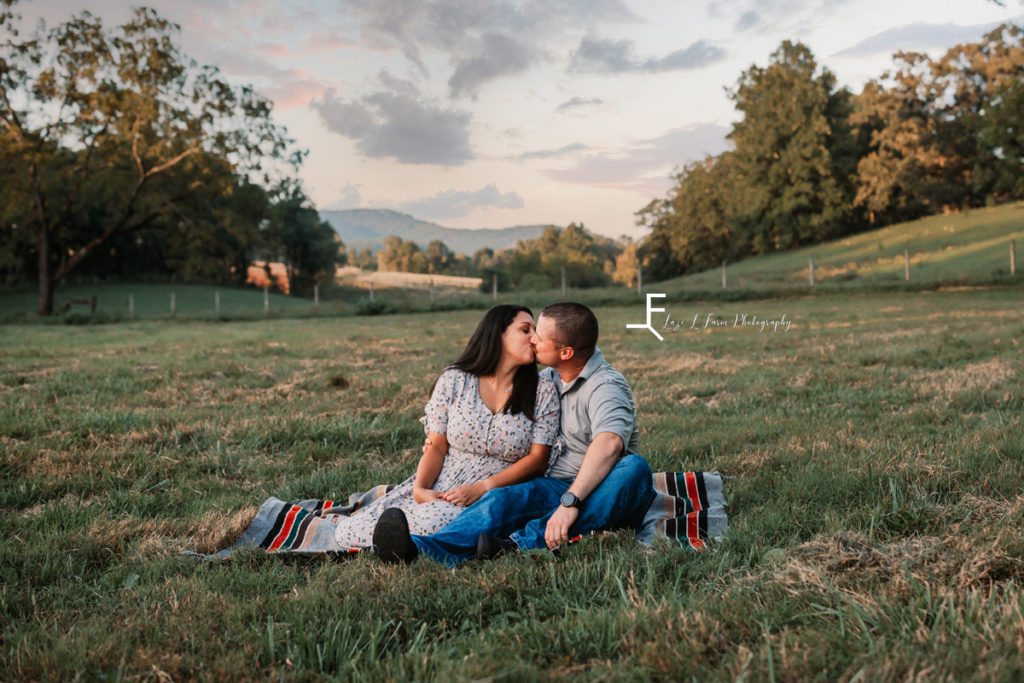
[[482, 260], [1002, 132], [940, 133], [794, 152], [401, 256], [364, 259], [440, 258], [909, 168], [112, 119], [310, 247], [694, 228], [981, 84], [626, 266]]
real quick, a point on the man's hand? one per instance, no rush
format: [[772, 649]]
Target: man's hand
[[422, 495], [465, 495], [557, 532]]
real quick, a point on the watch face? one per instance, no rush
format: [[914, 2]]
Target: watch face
[[569, 500]]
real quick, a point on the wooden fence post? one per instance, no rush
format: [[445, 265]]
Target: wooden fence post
[[1013, 259], [724, 277], [810, 268], [216, 301], [494, 287], [906, 264], [639, 279], [266, 300], [316, 295], [563, 283]]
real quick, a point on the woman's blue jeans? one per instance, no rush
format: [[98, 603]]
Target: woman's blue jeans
[[521, 512]]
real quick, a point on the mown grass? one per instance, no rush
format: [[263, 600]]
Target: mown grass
[[875, 455]]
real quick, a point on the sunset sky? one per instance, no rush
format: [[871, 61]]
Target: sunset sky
[[479, 114]]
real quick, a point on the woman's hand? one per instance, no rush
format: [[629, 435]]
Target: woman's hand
[[422, 495], [465, 495]]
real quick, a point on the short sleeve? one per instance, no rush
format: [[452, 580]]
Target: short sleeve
[[546, 414], [611, 409], [436, 411]]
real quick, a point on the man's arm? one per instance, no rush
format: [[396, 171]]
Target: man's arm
[[603, 452]]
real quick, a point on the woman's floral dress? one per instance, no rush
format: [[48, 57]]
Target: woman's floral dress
[[480, 444]]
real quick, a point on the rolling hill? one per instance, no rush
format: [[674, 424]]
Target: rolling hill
[[367, 228], [965, 246]]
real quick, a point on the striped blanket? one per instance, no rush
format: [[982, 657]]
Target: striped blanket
[[688, 509], [300, 526]]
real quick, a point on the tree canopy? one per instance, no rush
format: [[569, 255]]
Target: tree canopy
[[112, 136]]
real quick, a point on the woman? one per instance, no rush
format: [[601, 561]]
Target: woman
[[491, 422]]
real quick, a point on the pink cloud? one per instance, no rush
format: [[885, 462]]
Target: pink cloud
[[274, 49], [294, 91]]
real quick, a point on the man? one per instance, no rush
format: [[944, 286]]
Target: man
[[597, 483]]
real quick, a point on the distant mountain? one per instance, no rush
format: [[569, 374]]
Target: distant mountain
[[367, 228]]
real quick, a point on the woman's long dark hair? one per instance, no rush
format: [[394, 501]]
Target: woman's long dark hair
[[483, 350]]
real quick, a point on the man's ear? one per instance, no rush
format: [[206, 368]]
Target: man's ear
[[566, 353]]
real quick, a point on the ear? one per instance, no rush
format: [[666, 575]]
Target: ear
[[566, 353]]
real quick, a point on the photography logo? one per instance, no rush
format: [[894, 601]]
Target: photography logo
[[648, 325]]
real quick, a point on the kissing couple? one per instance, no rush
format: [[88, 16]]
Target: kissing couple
[[515, 459]]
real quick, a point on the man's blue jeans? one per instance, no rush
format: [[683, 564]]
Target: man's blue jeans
[[521, 512]]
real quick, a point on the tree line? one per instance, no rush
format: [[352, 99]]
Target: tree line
[[811, 161], [121, 157], [573, 252]]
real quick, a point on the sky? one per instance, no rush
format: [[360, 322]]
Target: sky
[[476, 114]]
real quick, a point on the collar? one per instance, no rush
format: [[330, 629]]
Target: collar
[[593, 363]]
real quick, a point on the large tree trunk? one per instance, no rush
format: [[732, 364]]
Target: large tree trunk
[[45, 306]]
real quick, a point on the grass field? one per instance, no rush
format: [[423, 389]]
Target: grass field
[[117, 302], [875, 454], [964, 247]]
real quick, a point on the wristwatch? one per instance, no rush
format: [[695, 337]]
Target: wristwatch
[[570, 500]]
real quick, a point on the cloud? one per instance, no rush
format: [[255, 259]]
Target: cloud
[[500, 56], [395, 122], [645, 166], [455, 204], [551, 153], [917, 36], [483, 41], [579, 102], [598, 55], [448, 25], [749, 19], [287, 88]]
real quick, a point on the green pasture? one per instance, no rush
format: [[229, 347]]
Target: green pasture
[[117, 302], [966, 247], [874, 455]]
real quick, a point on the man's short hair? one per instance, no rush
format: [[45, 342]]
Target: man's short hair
[[575, 326]]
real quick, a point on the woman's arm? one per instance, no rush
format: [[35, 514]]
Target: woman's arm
[[524, 469], [430, 466]]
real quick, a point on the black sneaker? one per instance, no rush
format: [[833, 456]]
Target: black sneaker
[[492, 547], [391, 539]]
